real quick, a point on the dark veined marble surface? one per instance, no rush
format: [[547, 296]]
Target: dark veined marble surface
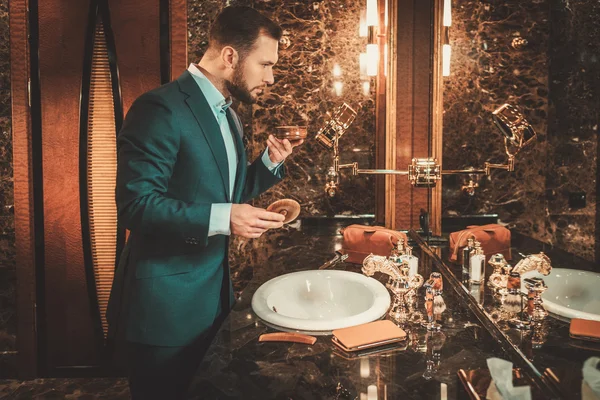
[[316, 35], [541, 55], [238, 366], [8, 318], [549, 344]]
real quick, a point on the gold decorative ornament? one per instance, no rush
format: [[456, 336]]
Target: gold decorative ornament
[[539, 262]]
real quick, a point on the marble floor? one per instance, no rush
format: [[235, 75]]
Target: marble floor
[[65, 388]]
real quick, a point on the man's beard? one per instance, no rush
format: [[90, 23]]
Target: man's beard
[[238, 88]]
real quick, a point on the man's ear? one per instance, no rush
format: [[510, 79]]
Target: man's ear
[[230, 57]]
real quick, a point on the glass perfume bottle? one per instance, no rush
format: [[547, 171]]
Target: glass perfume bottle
[[466, 254], [398, 251], [412, 260], [476, 264], [477, 291]]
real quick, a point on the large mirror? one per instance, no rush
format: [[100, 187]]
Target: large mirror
[[540, 57]]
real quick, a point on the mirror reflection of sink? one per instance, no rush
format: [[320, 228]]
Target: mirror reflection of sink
[[316, 302], [571, 293]]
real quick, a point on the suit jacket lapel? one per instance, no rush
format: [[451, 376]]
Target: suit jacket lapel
[[238, 134], [208, 124]]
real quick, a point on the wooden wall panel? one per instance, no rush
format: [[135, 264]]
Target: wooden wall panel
[[136, 32], [65, 330], [62, 28], [178, 37], [413, 107], [23, 190]]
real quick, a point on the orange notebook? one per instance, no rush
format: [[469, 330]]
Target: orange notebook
[[372, 334]]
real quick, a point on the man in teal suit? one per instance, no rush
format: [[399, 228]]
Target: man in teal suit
[[182, 182]]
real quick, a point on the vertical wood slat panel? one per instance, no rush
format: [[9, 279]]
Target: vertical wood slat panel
[[102, 173], [23, 190]]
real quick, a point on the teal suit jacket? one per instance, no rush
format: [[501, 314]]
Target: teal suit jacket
[[172, 280]]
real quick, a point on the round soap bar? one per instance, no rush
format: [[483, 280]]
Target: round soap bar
[[288, 207]]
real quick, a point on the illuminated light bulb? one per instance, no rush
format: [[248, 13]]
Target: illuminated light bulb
[[365, 370], [337, 71], [372, 59], [366, 88], [372, 13], [446, 54], [363, 64], [362, 27], [447, 12], [372, 392], [338, 86]]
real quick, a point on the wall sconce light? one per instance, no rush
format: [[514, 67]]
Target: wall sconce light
[[365, 370], [425, 172], [366, 88], [338, 85], [362, 28], [337, 71], [363, 65], [372, 45], [446, 48], [371, 392]]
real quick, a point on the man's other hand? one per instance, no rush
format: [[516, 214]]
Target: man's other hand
[[251, 222]]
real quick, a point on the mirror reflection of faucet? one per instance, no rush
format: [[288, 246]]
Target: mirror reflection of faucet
[[426, 171], [434, 303], [433, 355]]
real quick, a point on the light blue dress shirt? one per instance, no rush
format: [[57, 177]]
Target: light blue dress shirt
[[220, 213]]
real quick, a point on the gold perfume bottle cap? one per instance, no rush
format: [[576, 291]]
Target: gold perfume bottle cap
[[470, 241], [477, 250]]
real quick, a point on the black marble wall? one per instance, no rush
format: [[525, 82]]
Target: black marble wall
[[316, 36], [7, 229], [542, 56]]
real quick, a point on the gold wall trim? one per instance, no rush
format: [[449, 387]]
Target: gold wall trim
[[390, 115], [435, 217]]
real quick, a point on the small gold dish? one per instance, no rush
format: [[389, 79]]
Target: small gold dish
[[291, 132]]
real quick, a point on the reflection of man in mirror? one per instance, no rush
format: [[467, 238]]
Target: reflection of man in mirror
[[182, 182]]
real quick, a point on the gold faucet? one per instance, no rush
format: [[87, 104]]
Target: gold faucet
[[401, 284]]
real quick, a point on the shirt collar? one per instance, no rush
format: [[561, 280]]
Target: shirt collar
[[213, 96]]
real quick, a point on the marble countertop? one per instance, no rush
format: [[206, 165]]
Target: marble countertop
[[549, 346], [237, 366]]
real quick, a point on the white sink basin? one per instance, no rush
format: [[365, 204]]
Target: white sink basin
[[317, 302], [571, 293]]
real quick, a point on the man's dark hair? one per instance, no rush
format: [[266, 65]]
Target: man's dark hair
[[239, 27]]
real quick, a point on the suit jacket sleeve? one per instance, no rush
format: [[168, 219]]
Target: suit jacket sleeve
[[259, 177], [148, 144]]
